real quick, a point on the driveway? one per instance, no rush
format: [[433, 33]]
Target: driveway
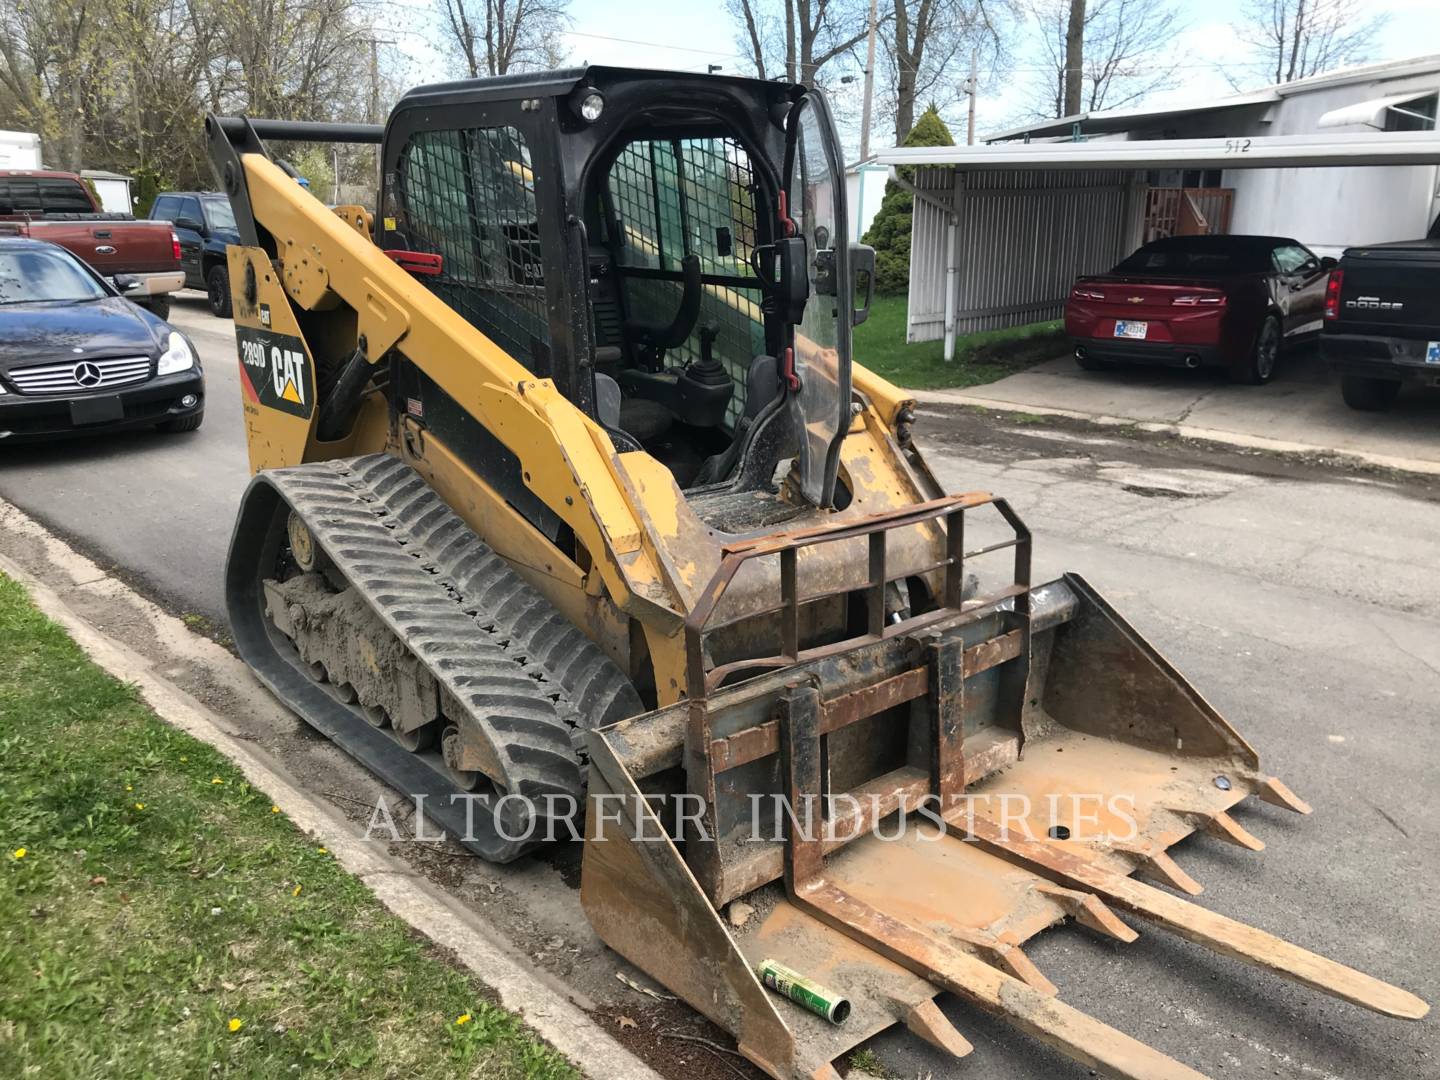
[[1299, 410]]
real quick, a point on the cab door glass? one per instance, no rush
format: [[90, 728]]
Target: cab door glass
[[822, 337]]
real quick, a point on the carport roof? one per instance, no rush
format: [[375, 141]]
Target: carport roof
[[1113, 121], [1269, 152]]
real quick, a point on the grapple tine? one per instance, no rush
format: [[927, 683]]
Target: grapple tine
[[927, 1021], [1274, 792], [1204, 927], [1089, 911], [1013, 959], [1223, 827], [1075, 1034], [1159, 866]]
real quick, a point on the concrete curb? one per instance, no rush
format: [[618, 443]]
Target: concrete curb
[[543, 1007], [1183, 431]]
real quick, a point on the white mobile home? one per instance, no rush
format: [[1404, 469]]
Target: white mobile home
[[1346, 158]]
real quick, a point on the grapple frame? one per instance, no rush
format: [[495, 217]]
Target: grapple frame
[[925, 784]]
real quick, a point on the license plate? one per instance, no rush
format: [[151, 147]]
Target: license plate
[[96, 410], [1131, 329], [1432, 353]]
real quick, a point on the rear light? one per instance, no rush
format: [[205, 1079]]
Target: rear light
[[1332, 294], [175, 246], [1199, 300], [1082, 293]]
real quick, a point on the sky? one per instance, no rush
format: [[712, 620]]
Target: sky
[[689, 36]]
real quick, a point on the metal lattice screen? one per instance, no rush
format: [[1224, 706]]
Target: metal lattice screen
[[678, 197], [469, 196]]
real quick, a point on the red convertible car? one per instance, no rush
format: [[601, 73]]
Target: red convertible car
[[1200, 301]]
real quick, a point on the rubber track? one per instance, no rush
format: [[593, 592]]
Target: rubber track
[[525, 675]]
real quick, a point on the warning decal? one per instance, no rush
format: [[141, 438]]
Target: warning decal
[[275, 372]]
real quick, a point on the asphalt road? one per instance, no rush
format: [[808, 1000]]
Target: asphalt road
[[1302, 602], [157, 508]]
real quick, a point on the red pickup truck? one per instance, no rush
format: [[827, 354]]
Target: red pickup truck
[[58, 207]]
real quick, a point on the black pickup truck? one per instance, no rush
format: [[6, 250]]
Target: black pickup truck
[[1382, 320]]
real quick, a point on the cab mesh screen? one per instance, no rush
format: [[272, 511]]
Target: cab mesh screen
[[469, 196], [678, 197]]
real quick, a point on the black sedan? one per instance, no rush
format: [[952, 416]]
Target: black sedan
[[77, 357]]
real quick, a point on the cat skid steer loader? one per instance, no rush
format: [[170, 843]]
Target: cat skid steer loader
[[567, 494]]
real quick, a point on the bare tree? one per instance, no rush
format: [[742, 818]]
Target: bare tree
[[1126, 54], [124, 84], [796, 39], [1299, 38], [927, 51], [493, 37]]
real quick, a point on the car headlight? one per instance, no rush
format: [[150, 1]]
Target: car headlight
[[178, 356]]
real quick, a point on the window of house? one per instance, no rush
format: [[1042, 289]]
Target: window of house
[[1415, 115]]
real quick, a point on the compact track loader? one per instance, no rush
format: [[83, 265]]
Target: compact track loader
[[566, 488]]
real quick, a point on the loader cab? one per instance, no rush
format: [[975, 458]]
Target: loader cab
[[670, 249]]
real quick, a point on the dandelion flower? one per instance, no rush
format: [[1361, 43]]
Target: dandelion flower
[[462, 1019], [139, 806], [296, 891], [274, 809], [321, 850], [20, 853], [217, 780], [129, 787], [236, 1023], [184, 758]]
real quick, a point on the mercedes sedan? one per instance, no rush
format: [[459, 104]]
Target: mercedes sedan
[[77, 357], [1200, 301]]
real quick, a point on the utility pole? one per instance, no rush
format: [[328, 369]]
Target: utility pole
[[971, 87], [869, 85]]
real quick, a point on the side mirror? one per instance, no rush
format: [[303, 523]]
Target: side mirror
[[126, 283], [1329, 263], [862, 269], [190, 223]]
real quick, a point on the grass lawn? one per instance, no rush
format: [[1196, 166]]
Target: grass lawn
[[158, 918], [980, 358]]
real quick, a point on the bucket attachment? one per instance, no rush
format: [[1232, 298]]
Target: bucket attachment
[[900, 812]]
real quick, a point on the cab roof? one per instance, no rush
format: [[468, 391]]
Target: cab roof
[[561, 81]]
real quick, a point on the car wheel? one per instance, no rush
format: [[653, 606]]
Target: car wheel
[[160, 305], [1260, 365], [1368, 395], [182, 423], [217, 285]]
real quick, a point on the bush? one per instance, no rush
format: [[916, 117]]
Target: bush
[[889, 233]]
